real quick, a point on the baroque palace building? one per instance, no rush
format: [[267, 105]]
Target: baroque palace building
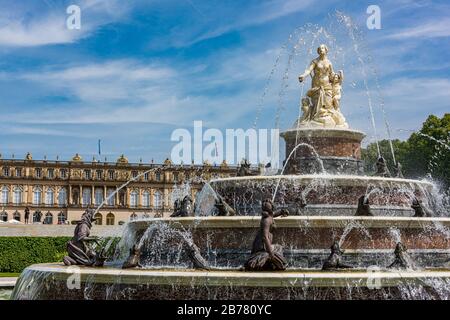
[[58, 192]]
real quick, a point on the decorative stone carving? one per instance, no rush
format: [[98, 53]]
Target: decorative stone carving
[[223, 208], [325, 94], [402, 258], [334, 260], [419, 209], [363, 207]]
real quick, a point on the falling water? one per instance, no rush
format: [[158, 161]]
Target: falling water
[[287, 161]]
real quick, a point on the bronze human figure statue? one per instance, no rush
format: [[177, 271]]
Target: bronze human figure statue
[[184, 208], [244, 169], [363, 207], [382, 169], [134, 258], [195, 256], [398, 171], [223, 208], [334, 260], [419, 210], [176, 208], [79, 248], [402, 258], [265, 256]]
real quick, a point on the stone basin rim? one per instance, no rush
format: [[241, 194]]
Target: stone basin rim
[[297, 221], [303, 278], [330, 177]]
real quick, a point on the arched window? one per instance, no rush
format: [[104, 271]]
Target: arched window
[[134, 198], [110, 219], [37, 195], [49, 197], [48, 218], [37, 216], [111, 197], [62, 197], [5, 194], [62, 218], [4, 216], [98, 196], [157, 200], [17, 199], [86, 196], [16, 216], [146, 199], [98, 219], [133, 216]]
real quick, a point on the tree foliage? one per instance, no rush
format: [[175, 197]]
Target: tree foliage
[[426, 152]]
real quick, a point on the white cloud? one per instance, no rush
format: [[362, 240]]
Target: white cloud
[[31, 26], [431, 29]]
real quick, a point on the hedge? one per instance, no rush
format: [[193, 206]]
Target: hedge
[[17, 253]]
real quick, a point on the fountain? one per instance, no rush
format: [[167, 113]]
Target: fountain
[[322, 197]]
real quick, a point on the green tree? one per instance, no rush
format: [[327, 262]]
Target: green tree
[[370, 154], [425, 152]]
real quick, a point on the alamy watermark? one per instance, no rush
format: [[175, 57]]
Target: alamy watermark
[[73, 21], [373, 279], [374, 19], [258, 146], [74, 280]]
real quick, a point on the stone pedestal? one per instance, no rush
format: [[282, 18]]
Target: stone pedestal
[[338, 151]]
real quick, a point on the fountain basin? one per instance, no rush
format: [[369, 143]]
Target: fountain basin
[[324, 194], [225, 242], [49, 281]]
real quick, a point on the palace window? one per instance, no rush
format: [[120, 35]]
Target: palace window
[[49, 197], [6, 171], [17, 199], [110, 219], [62, 218], [48, 218], [158, 176], [50, 173], [86, 196], [16, 216], [87, 174], [4, 216], [99, 174], [98, 196], [98, 219], [5, 195], [134, 174], [134, 198], [63, 173], [146, 199], [37, 195], [175, 177], [111, 174], [38, 172], [37, 216], [157, 200], [62, 197], [146, 176], [111, 197], [18, 172]]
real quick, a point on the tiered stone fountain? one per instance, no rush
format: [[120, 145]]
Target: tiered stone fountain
[[201, 256]]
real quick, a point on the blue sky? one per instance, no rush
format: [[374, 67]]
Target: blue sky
[[137, 70]]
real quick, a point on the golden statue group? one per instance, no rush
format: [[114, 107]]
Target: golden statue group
[[321, 106]]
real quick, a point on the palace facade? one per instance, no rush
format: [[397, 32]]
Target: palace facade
[[58, 192]]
